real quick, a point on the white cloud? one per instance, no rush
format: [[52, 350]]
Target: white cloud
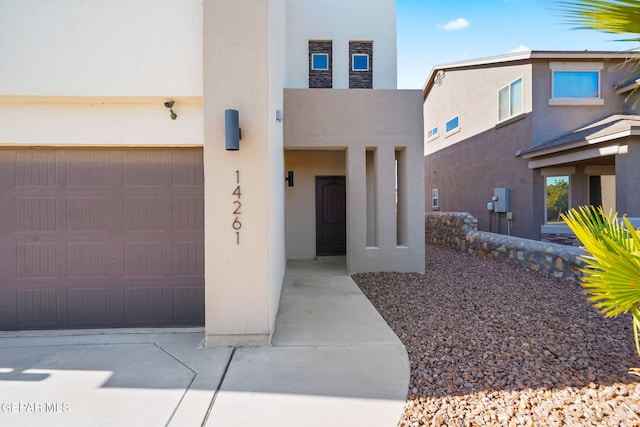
[[456, 24], [521, 48]]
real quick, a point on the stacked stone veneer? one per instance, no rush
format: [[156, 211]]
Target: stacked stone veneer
[[460, 231], [361, 79], [321, 78]]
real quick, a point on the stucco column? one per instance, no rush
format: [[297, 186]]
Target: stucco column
[[627, 179], [356, 202], [386, 197], [415, 206], [241, 186]]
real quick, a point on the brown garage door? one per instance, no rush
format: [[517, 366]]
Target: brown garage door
[[101, 238]]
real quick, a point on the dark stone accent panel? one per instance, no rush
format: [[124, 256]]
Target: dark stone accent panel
[[361, 79], [321, 78]]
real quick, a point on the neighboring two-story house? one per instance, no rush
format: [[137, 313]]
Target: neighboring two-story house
[[502, 133], [126, 201]]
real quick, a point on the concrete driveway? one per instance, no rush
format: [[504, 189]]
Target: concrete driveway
[[333, 361]]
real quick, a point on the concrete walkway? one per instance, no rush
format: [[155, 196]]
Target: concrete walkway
[[333, 361]]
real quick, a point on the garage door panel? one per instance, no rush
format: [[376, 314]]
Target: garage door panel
[[188, 259], [188, 213], [86, 169], [38, 307], [87, 305], [145, 304], [36, 261], [87, 214], [146, 168], [187, 305], [97, 238], [144, 259], [35, 168], [187, 168], [144, 214], [36, 215]]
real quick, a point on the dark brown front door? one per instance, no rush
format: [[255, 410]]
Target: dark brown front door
[[331, 230]]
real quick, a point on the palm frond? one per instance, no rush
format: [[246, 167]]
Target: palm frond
[[617, 16], [612, 266], [636, 327]]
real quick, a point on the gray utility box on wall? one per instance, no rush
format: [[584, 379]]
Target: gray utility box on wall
[[501, 200]]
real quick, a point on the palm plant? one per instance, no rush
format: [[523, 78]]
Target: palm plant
[[612, 266], [617, 16]]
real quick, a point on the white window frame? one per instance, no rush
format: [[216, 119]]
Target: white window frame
[[353, 60], [552, 172], [454, 130], [508, 86], [576, 67], [433, 135], [326, 55], [435, 199]]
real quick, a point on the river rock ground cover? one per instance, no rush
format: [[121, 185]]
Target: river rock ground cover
[[494, 344]]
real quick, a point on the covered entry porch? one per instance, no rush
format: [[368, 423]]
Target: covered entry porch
[[372, 142], [598, 165]]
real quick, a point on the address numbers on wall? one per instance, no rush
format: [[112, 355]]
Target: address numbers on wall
[[237, 205]]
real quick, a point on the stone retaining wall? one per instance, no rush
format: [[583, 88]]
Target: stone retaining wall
[[458, 230], [449, 229]]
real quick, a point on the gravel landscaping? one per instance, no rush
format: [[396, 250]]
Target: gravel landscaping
[[493, 344]]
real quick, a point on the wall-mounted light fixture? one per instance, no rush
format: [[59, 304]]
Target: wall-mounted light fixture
[[289, 178], [279, 116], [232, 131], [169, 105]]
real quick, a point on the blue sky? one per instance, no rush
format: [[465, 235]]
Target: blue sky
[[432, 32]]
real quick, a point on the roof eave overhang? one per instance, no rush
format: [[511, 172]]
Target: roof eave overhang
[[520, 56], [632, 131], [628, 88], [585, 153], [585, 149]]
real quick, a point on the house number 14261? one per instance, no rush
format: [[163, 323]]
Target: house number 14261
[[237, 225]]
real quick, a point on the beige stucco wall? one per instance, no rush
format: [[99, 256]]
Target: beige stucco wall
[[98, 73], [608, 183], [277, 77], [243, 280], [471, 94], [300, 199], [627, 179], [341, 21], [552, 121], [355, 121], [96, 48], [466, 166], [90, 121]]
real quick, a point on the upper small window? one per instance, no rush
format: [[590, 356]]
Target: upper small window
[[360, 62], [453, 125], [432, 133], [319, 61], [575, 83], [510, 100]]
